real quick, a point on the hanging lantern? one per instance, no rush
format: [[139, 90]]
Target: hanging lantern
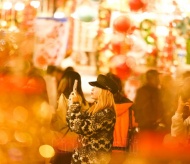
[[119, 66], [136, 5], [122, 24], [86, 13]]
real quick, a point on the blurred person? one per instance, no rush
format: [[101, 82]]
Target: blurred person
[[125, 122], [25, 111], [51, 85], [148, 106], [130, 87], [58, 74], [148, 111], [168, 94], [65, 140], [186, 74], [177, 142], [180, 125], [96, 125], [61, 83], [186, 111], [69, 68]]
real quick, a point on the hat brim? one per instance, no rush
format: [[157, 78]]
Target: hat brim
[[96, 84]]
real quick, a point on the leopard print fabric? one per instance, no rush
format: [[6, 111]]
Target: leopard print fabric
[[95, 134]]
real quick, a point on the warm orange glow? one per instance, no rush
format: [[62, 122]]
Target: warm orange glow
[[2, 116], [3, 137], [46, 151], [23, 137], [20, 114]]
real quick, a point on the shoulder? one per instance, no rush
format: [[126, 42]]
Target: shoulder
[[125, 100], [105, 115], [106, 112]]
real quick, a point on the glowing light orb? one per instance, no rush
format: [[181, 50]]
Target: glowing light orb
[[122, 24], [23, 137], [46, 151]]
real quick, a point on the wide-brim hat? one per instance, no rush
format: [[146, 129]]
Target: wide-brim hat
[[105, 82]]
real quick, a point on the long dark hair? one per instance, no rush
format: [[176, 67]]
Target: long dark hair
[[67, 82]]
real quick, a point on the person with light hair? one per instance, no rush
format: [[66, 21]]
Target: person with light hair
[[96, 125]]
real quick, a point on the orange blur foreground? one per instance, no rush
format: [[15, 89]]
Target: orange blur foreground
[[160, 147]]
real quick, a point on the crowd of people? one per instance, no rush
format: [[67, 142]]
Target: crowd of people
[[103, 127], [157, 120]]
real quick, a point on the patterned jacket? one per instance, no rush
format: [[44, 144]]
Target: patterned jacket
[[95, 134], [64, 139]]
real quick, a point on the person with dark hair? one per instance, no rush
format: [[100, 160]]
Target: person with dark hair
[[96, 125], [148, 106], [51, 69], [60, 87], [65, 140], [69, 68], [59, 72], [149, 111]]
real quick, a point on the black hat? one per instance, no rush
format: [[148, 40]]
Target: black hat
[[105, 82]]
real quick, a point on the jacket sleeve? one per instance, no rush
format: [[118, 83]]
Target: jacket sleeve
[[58, 122], [180, 127], [88, 124]]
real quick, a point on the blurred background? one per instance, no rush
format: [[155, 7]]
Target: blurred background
[[126, 37]]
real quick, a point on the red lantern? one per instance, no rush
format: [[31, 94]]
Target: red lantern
[[123, 71], [116, 47], [122, 24], [136, 5], [117, 44], [120, 47], [120, 67]]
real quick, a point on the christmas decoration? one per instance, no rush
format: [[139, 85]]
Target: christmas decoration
[[86, 13], [136, 5], [147, 29], [122, 24]]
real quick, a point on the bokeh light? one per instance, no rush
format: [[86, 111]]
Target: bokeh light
[[46, 151], [23, 137], [20, 114]]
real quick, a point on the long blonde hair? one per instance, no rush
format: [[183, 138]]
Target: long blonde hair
[[105, 100]]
